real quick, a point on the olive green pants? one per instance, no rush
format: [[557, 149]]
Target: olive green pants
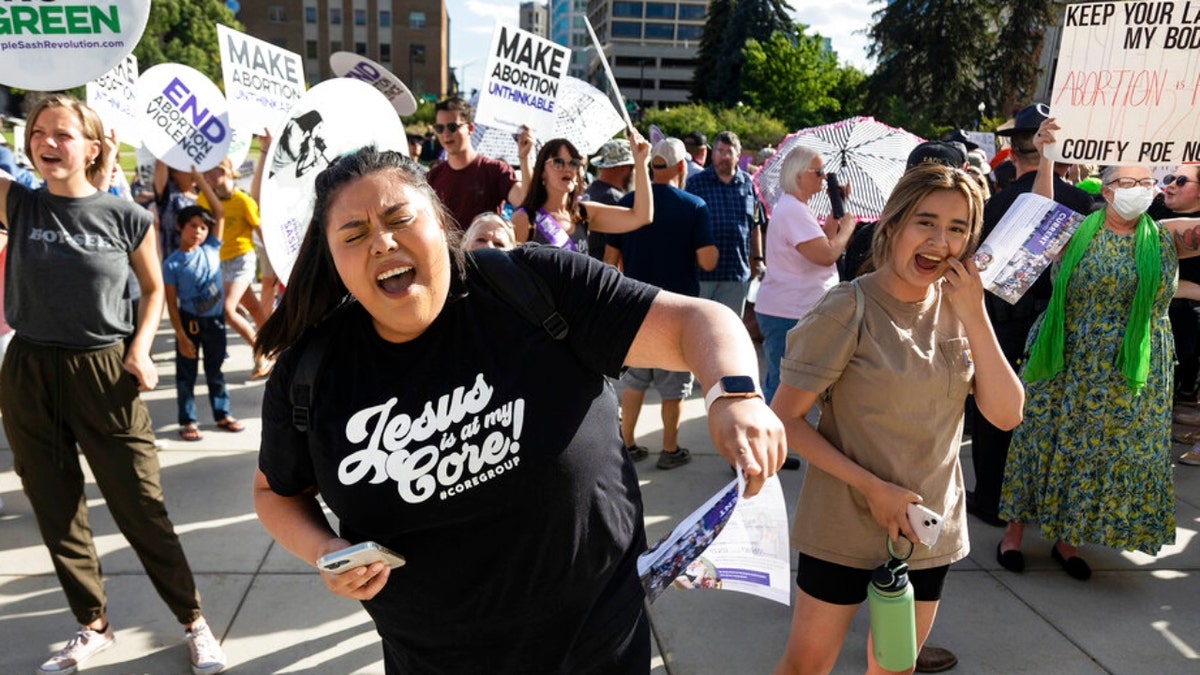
[[53, 398]]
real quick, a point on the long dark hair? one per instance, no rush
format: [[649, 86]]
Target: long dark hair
[[315, 290], [536, 196]]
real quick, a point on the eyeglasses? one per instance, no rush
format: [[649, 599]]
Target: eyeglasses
[[1179, 181], [560, 163], [451, 127], [820, 172], [1127, 183]]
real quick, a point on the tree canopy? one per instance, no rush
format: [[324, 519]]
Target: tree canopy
[[728, 24], [185, 31]]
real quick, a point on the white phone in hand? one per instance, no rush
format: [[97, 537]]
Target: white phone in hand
[[358, 555], [925, 523]]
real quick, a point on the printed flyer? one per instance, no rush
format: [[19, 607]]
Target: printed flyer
[[729, 543], [1027, 239]]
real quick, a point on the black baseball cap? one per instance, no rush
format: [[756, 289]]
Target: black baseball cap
[[941, 152], [1028, 119]]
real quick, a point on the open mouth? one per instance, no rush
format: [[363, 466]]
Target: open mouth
[[396, 280], [928, 263]]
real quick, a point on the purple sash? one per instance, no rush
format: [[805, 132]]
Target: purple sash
[[553, 232]]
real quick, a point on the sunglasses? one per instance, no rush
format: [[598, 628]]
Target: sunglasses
[[1179, 181], [560, 163], [451, 127]]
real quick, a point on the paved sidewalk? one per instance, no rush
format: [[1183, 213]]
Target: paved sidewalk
[[1137, 615]]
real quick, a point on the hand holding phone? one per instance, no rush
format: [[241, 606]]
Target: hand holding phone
[[926, 524], [366, 553], [836, 196]]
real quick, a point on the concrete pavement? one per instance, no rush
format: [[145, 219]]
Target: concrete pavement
[[1138, 614]]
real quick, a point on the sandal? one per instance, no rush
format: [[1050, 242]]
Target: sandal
[[1189, 436], [189, 432], [262, 368], [230, 424]]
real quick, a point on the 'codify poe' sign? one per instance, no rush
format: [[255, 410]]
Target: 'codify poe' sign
[[262, 81], [523, 76], [184, 118], [1127, 86], [51, 45]]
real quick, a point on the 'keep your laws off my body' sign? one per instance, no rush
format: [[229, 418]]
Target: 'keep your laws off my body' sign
[[1127, 87], [523, 77]]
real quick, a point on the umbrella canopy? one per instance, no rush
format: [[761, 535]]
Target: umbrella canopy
[[867, 154], [582, 114]]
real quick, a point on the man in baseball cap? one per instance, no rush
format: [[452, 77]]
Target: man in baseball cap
[[614, 165]]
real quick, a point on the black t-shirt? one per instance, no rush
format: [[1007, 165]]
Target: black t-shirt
[[489, 455], [1189, 268]]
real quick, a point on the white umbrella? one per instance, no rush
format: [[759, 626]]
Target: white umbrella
[[863, 152], [583, 115]]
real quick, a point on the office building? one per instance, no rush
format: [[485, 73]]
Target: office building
[[535, 18]]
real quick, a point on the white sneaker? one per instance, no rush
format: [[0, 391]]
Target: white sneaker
[[86, 644], [206, 653]]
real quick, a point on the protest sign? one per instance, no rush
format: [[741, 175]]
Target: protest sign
[[59, 44], [262, 81], [114, 98], [1030, 235], [520, 87], [349, 64], [1127, 85], [183, 117], [729, 543], [334, 117]]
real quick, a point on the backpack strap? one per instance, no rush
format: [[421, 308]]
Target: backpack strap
[[521, 287], [308, 371]]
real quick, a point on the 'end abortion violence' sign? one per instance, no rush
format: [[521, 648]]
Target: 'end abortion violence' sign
[[1127, 88], [524, 73], [184, 118], [52, 45]]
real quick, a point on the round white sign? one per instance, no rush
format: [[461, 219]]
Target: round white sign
[[334, 117], [349, 64], [183, 117], [60, 44]]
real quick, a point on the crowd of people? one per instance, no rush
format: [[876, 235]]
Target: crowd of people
[[644, 275]]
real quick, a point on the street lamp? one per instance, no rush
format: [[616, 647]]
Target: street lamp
[[979, 120]]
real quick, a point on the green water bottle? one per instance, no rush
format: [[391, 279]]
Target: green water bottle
[[893, 618]]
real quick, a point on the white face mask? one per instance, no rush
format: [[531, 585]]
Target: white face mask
[[1129, 203]]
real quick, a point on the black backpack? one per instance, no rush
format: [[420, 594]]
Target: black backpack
[[509, 278]]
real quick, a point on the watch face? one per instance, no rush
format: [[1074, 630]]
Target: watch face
[[739, 384]]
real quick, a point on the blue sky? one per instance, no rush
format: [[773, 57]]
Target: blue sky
[[471, 24]]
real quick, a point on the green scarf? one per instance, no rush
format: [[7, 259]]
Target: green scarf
[[1046, 357]]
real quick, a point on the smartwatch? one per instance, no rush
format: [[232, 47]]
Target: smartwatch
[[732, 386]]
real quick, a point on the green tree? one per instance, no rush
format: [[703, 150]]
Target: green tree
[[1013, 68], [716, 18], [755, 128], [794, 78], [721, 66], [679, 121], [185, 31], [928, 71]]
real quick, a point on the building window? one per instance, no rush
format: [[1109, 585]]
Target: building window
[[276, 14], [360, 17], [385, 52], [690, 32], [632, 10], [360, 48], [310, 49], [626, 29], [578, 40], [659, 10], [416, 20], [660, 31], [385, 18], [335, 16], [310, 15], [280, 42], [691, 12], [335, 46], [416, 53]]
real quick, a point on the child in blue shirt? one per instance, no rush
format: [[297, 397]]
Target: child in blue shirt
[[195, 301]]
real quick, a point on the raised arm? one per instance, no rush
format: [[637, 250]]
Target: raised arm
[[1044, 183], [214, 204], [264, 147], [682, 333], [516, 194], [620, 219]]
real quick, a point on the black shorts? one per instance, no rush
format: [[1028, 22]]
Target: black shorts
[[842, 585]]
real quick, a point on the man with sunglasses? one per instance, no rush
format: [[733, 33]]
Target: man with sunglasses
[[467, 182], [1180, 198]]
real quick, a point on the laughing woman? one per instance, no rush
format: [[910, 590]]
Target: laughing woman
[[431, 436], [890, 357], [553, 213]]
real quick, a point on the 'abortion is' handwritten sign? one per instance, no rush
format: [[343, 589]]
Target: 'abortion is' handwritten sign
[[1127, 85]]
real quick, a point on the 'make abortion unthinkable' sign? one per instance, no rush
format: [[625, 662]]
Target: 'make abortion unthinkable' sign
[[184, 118], [523, 76], [262, 81], [1127, 86]]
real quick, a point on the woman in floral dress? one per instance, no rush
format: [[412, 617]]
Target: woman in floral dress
[[1091, 462]]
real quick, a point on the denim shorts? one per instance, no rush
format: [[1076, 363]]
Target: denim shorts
[[669, 384], [239, 269]]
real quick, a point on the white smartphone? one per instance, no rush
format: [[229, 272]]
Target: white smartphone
[[358, 555], [925, 523]]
